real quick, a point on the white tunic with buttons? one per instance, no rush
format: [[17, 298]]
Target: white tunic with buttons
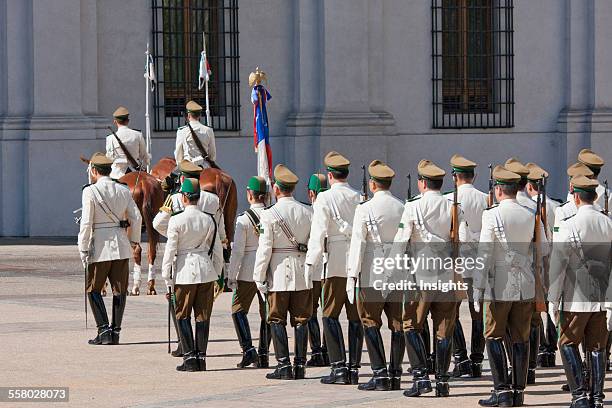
[[99, 233], [134, 142], [386, 210], [277, 261], [473, 202], [190, 236], [244, 248], [570, 281], [187, 149], [345, 200]]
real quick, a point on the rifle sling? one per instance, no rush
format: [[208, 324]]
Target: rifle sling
[[200, 146], [127, 153]]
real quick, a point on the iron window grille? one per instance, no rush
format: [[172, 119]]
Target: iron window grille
[[473, 63], [177, 43]]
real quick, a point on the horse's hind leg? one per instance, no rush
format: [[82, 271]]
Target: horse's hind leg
[[137, 269], [152, 255]]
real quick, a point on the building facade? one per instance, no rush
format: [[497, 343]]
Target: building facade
[[397, 80]]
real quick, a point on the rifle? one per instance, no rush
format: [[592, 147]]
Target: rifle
[[491, 199], [201, 148], [539, 290], [86, 270], [128, 155], [606, 199], [544, 215], [364, 185], [409, 187], [454, 232]]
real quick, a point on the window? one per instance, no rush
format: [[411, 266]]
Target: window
[[177, 32], [473, 71]]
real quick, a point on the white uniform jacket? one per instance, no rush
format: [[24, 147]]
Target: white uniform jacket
[[105, 203], [244, 248], [472, 202], [506, 252], [426, 224], [277, 261], [190, 236], [208, 203], [580, 261], [385, 210], [186, 148], [334, 211], [134, 142]]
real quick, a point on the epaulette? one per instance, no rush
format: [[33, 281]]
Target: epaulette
[[558, 200], [85, 186], [268, 207], [137, 130], [177, 213], [563, 204], [182, 127], [306, 204], [565, 219], [365, 201], [491, 207], [416, 198], [120, 182], [448, 192]]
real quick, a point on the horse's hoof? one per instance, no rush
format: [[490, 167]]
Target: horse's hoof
[[151, 290], [135, 291]]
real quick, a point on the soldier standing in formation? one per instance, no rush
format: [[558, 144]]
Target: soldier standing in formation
[[126, 139], [508, 273], [374, 226], [193, 240], [280, 270], [318, 356], [195, 142], [594, 162], [334, 211], [473, 203], [110, 226], [240, 276], [580, 274], [426, 224]]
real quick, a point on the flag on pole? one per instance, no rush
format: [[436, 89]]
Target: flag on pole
[[150, 72], [260, 97], [205, 71]]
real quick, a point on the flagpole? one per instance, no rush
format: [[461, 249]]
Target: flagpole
[[208, 121], [147, 117]]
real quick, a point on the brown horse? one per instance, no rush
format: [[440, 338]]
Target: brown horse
[[224, 186], [149, 197]]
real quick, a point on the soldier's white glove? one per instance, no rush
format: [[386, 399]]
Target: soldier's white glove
[[609, 319], [169, 288], [350, 290], [553, 312], [308, 274], [262, 287], [232, 284], [477, 296], [84, 258]]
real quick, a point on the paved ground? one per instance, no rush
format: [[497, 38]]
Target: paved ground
[[43, 342]]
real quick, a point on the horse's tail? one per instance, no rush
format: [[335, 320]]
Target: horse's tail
[[230, 211]]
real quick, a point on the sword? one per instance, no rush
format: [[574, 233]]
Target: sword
[[85, 292]]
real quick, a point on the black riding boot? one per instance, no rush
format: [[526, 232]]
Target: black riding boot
[[477, 347], [534, 346], [520, 364], [314, 336], [283, 369], [243, 331], [118, 309], [572, 364], [179, 350], [378, 363], [502, 395], [463, 366], [300, 350], [598, 377], [426, 334], [417, 355], [552, 338], [190, 356], [608, 347], [355, 340], [444, 349], [201, 337], [265, 337], [337, 353], [398, 346], [98, 309]]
